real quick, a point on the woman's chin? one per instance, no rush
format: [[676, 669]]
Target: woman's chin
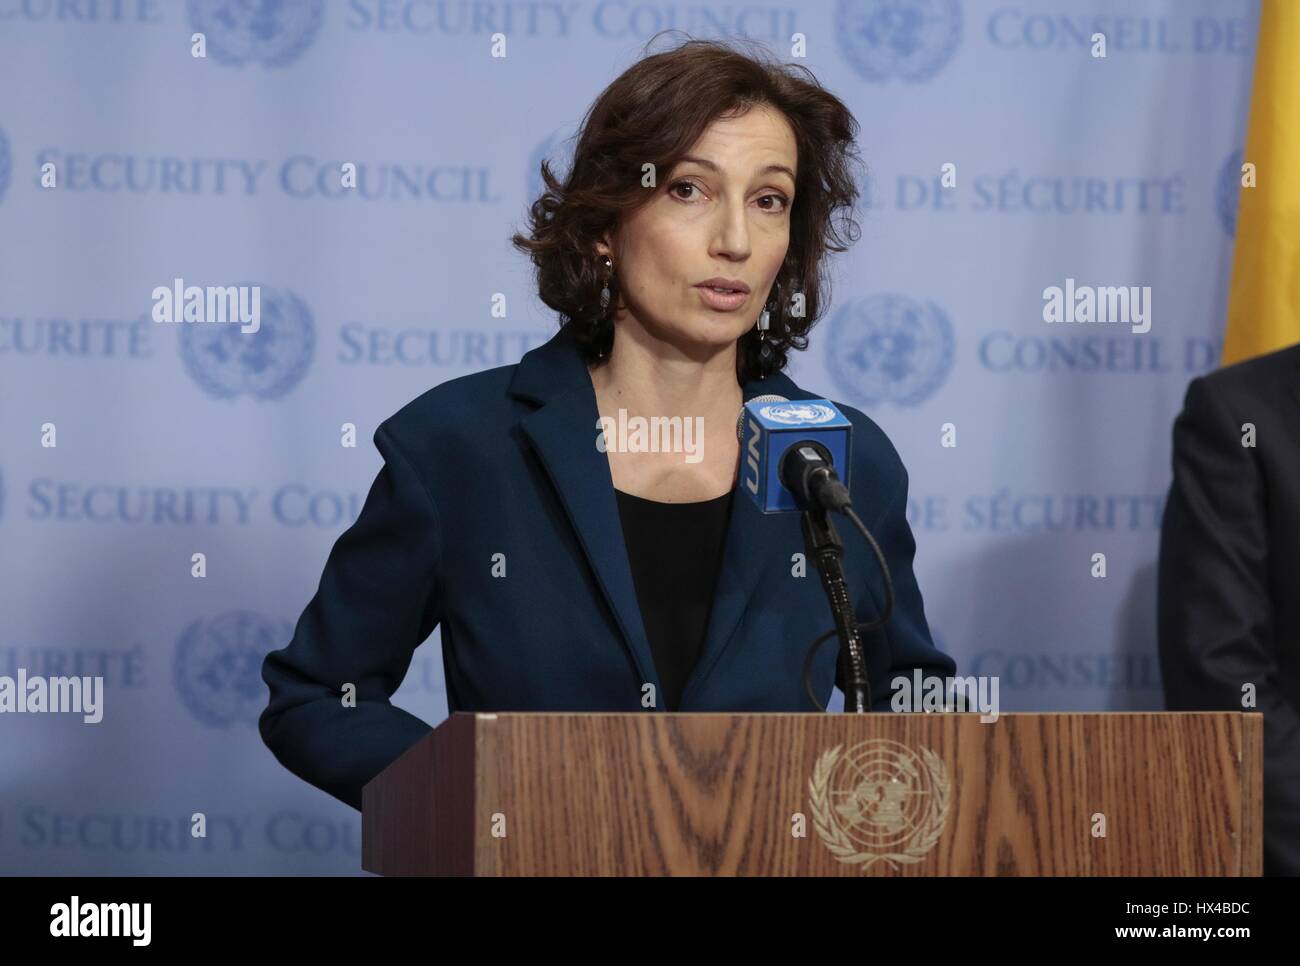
[[716, 331], [703, 336]]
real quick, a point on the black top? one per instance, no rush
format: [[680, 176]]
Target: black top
[[675, 550]]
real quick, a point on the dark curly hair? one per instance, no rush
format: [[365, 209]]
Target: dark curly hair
[[654, 112]]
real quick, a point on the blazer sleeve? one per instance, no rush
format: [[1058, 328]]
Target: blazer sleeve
[[907, 633], [1215, 622], [377, 601]]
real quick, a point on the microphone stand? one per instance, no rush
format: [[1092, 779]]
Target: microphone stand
[[825, 548]]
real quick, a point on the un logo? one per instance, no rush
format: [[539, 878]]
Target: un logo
[[227, 362], [889, 348], [797, 413], [6, 166], [908, 39], [879, 801], [1228, 192], [218, 669], [271, 32]]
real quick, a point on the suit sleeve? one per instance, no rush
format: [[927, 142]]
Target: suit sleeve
[[375, 604], [906, 636], [1215, 619]]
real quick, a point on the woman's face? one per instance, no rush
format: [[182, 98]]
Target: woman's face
[[724, 215]]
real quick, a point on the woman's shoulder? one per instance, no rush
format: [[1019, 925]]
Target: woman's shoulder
[[468, 406], [869, 439], [874, 456], [877, 466]]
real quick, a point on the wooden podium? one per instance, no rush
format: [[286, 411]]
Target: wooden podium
[[823, 794]]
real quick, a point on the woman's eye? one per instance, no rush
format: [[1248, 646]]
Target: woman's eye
[[784, 201]]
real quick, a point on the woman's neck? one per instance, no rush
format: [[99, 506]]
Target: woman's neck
[[648, 377]]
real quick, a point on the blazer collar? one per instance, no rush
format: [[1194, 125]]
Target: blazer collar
[[563, 432]]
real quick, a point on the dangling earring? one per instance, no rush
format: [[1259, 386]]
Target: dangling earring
[[604, 292], [604, 340], [765, 351]]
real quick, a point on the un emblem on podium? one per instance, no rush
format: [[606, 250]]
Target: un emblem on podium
[[880, 801]]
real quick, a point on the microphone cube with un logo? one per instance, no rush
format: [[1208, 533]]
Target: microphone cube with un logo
[[771, 428]]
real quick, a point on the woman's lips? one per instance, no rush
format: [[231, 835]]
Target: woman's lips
[[720, 301]]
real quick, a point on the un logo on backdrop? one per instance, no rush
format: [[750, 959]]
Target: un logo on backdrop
[[5, 166], [218, 668], [271, 33], [889, 348], [1228, 193], [908, 39], [265, 364]]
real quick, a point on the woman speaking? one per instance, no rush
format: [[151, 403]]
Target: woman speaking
[[685, 256]]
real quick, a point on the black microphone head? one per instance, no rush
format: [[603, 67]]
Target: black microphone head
[[800, 460], [807, 469]]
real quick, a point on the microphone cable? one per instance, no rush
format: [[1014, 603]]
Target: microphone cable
[[863, 627]]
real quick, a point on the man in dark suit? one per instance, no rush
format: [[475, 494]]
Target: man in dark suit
[[1229, 585]]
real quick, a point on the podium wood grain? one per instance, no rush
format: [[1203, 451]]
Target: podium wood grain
[[719, 794]]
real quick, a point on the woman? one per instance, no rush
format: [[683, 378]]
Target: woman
[[570, 573]]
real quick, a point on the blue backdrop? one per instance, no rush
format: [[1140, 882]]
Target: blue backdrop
[[224, 170]]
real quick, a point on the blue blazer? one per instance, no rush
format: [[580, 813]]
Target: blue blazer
[[501, 468]]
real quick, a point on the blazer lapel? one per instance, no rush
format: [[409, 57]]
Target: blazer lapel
[[563, 433]]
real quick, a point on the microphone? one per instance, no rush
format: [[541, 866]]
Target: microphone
[[808, 471], [790, 452]]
